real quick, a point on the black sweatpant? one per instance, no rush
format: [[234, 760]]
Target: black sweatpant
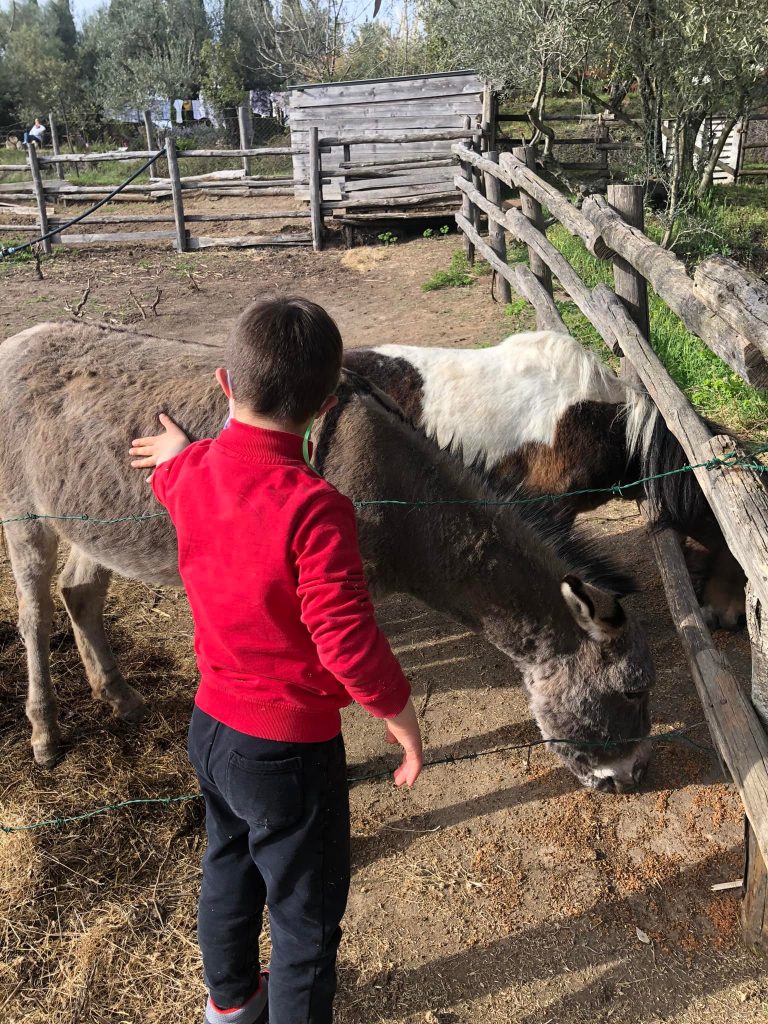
[[277, 817]]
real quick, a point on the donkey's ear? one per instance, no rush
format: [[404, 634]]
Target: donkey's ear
[[598, 613]]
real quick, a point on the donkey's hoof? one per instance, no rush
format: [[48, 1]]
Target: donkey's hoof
[[47, 755], [135, 714], [127, 704]]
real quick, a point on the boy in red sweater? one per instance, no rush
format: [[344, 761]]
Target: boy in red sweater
[[285, 636]]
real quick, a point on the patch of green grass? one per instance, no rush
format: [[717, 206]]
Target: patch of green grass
[[583, 330], [715, 390], [588, 267], [732, 221], [516, 307], [458, 275], [24, 256], [516, 253], [184, 267]]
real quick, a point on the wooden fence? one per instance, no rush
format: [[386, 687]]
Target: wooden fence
[[727, 307], [375, 109], [754, 144], [408, 184], [172, 188], [411, 186]]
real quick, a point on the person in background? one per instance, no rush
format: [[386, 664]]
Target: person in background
[[35, 134]]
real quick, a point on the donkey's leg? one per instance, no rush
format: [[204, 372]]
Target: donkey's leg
[[84, 584], [32, 550]]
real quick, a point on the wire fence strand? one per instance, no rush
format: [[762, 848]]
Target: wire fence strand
[[671, 736], [732, 461]]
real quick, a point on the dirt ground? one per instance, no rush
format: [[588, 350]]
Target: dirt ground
[[496, 890]]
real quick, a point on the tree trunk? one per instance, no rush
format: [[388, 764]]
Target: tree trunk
[[536, 113], [617, 93], [650, 102], [675, 159], [658, 146], [686, 128]]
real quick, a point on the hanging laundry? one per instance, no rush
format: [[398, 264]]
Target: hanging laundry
[[209, 113], [260, 104], [197, 110], [177, 105], [279, 106]]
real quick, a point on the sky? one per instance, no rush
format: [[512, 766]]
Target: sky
[[82, 8]]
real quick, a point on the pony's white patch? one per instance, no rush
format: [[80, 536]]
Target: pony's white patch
[[488, 402]]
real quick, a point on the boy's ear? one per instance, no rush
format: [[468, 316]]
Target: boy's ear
[[223, 380], [329, 403]]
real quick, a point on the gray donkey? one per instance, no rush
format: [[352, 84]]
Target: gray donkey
[[73, 396]]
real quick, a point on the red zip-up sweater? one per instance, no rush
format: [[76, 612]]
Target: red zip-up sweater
[[285, 633]]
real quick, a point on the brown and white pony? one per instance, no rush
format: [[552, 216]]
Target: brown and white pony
[[541, 411], [73, 396]]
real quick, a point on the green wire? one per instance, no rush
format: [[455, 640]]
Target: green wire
[[672, 736], [733, 461]]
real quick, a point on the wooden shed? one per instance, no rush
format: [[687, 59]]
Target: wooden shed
[[413, 106]]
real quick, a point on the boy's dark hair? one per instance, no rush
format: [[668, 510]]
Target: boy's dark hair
[[284, 357]]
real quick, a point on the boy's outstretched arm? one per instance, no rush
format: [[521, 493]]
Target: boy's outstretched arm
[[159, 448], [336, 608]]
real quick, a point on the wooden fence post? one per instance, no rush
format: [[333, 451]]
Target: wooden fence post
[[496, 236], [754, 890], [742, 133], [628, 283], [489, 117], [532, 210], [37, 184], [348, 231], [467, 207], [176, 193], [55, 145], [603, 138], [315, 189], [149, 130], [244, 120]]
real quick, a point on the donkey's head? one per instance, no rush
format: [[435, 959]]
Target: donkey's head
[[595, 699]]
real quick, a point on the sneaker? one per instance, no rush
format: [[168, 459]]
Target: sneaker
[[254, 1011]]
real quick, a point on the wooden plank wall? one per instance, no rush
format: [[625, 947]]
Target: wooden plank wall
[[412, 104], [727, 166]]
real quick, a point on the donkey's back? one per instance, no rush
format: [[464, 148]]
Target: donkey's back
[[63, 443]]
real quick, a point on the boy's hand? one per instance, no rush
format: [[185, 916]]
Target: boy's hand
[[159, 448], [404, 729]]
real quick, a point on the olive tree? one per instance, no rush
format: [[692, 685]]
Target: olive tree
[[525, 46], [147, 48], [692, 60], [689, 60]]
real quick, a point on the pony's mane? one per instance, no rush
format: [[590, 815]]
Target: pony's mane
[[577, 552]]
